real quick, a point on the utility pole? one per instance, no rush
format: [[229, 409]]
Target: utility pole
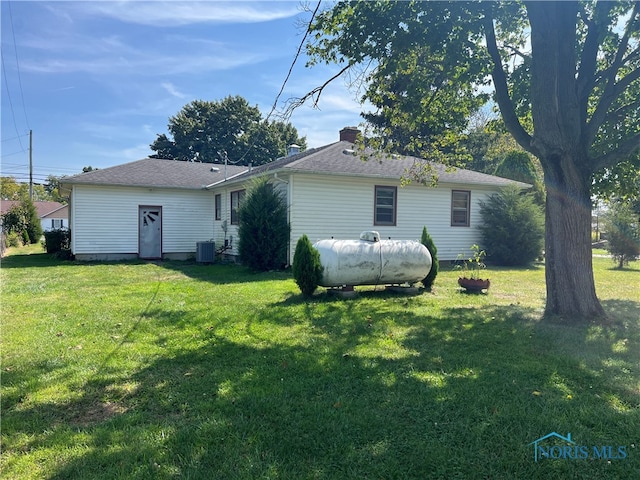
[[31, 165]]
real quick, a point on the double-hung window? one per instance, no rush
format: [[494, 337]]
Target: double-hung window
[[218, 206], [460, 208], [236, 201], [385, 205]]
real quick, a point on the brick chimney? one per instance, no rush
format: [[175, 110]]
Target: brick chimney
[[349, 134]]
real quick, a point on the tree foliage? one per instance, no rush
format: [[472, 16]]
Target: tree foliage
[[518, 165], [9, 188], [203, 131], [264, 228], [24, 221], [622, 225], [52, 187], [565, 76]]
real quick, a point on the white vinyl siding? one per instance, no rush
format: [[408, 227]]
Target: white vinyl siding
[[325, 206], [107, 218]]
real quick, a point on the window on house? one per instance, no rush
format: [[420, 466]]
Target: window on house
[[56, 223], [218, 206], [236, 200], [460, 208], [385, 205]]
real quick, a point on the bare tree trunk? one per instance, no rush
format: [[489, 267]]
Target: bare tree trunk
[[558, 143], [571, 292]]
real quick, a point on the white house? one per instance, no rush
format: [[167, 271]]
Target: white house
[[150, 209], [331, 192], [53, 215]]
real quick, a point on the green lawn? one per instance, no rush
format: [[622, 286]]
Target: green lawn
[[175, 370]]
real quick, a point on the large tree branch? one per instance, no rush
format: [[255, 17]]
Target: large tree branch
[[314, 94], [589, 57], [518, 52], [626, 81], [613, 89], [502, 90], [622, 112], [625, 149]]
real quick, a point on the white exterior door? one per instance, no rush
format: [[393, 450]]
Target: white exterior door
[[150, 232]]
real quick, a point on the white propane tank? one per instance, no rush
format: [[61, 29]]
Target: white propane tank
[[371, 261]]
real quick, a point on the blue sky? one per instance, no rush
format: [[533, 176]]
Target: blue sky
[[97, 81]]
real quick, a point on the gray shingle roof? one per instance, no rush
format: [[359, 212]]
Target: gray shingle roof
[[43, 208], [154, 172], [340, 158], [335, 159]]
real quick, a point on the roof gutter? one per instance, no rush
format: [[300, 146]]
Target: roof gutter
[[211, 185]]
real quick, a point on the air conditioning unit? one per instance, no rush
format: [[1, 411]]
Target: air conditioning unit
[[205, 252]]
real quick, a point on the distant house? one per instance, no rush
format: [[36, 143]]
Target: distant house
[[330, 192], [53, 215]]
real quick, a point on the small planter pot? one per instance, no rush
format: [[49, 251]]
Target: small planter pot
[[474, 285]]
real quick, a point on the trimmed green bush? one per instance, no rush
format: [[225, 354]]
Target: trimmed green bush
[[427, 241], [307, 270], [57, 240], [264, 230], [512, 228]]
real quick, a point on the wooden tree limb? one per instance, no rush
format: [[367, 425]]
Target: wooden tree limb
[[502, 90], [626, 148], [612, 88], [314, 94], [589, 57]]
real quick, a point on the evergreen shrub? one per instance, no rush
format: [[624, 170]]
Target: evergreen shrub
[[307, 270], [512, 228], [427, 241], [264, 229]]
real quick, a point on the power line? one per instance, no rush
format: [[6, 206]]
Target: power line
[[14, 138], [295, 59], [13, 115], [13, 153], [15, 49]]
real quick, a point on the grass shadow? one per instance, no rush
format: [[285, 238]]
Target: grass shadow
[[457, 394], [380, 386]]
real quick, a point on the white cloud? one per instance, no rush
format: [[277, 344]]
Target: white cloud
[[158, 13], [135, 152], [141, 64], [171, 88]]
